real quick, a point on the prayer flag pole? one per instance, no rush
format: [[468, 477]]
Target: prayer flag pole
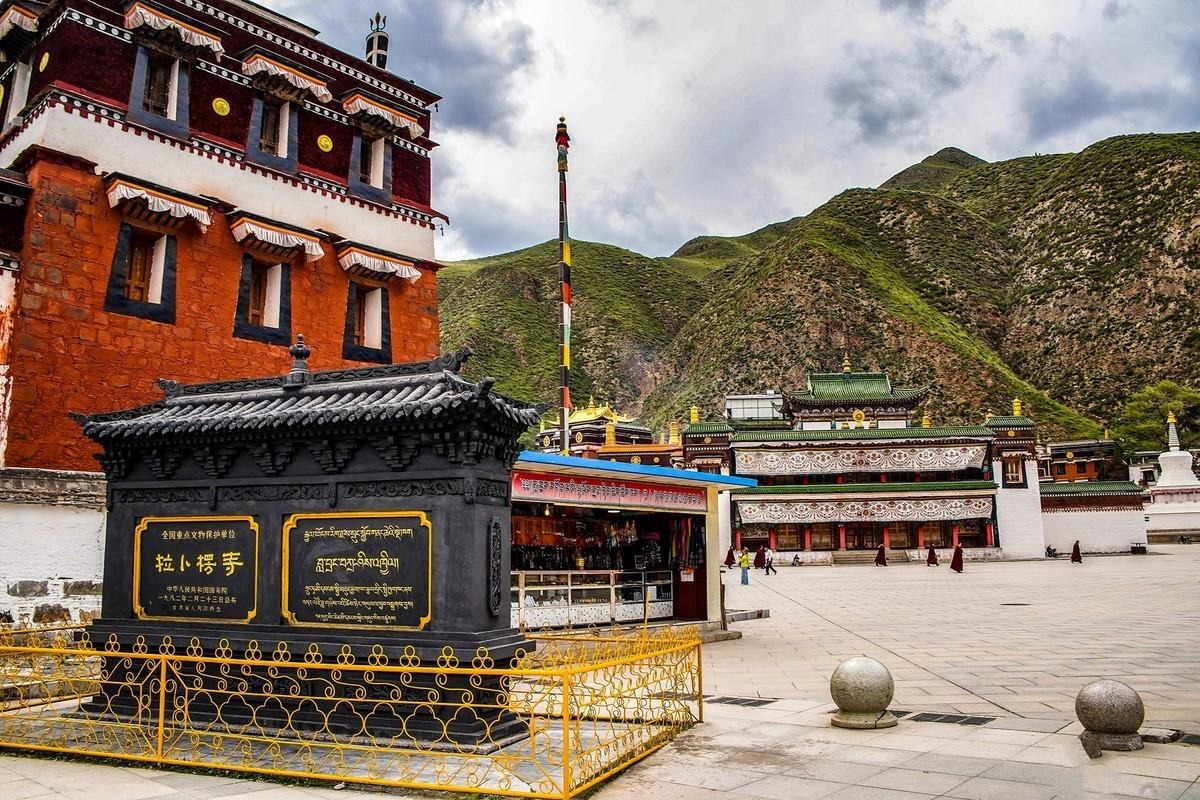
[[563, 141]]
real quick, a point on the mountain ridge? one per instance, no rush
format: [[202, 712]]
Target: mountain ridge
[[975, 278]]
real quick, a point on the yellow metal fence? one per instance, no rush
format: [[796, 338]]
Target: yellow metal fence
[[558, 719]]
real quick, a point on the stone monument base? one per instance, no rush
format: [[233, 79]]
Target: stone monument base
[[1094, 742], [315, 684], [860, 721]]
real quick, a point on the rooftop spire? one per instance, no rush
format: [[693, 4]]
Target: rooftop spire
[[377, 41], [694, 415], [1016, 406], [1172, 432], [846, 363], [299, 374]]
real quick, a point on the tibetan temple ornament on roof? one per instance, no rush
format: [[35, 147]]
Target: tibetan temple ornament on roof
[[264, 67]]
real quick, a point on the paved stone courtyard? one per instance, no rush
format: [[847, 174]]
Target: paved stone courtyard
[[1013, 641]]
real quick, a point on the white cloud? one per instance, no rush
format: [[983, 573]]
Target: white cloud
[[692, 116]]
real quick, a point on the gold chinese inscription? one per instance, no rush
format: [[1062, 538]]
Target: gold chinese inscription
[[196, 568], [358, 569]]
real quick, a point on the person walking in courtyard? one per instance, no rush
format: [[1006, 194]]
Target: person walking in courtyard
[[769, 560], [729, 557], [760, 557], [956, 563], [1076, 556], [881, 557], [931, 560], [744, 563]]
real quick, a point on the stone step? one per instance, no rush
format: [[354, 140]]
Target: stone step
[[866, 556]]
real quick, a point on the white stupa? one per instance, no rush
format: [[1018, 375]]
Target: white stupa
[[1175, 464], [1174, 507]]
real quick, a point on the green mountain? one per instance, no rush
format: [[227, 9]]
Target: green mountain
[[1066, 280]]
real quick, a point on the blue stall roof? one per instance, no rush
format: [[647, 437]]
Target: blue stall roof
[[615, 469]]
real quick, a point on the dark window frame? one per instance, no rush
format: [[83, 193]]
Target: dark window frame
[[357, 352], [243, 328], [1019, 460], [156, 93], [361, 188], [178, 127], [254, 138], [115, 299]]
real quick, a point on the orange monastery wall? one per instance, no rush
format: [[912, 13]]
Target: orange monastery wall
[[69, 354]]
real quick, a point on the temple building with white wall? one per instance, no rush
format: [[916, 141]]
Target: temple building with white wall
[[843, 468]]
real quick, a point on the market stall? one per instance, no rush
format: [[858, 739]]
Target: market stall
[[596, 542]]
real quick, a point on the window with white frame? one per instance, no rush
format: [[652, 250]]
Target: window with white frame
[[161, 93], [370, 160], [145, 268], [368, 317], [273, 136], [266, 281]]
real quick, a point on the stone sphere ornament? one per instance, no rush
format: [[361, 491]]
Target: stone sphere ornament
[[1111, 713], [862, 688]]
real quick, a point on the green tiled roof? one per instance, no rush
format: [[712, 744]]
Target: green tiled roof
[[863, 386], [1009, 422], [708, 427], [1049, 489], [865, 488], [866, 434]]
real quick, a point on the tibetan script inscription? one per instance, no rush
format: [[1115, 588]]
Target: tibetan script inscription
[[358, 569], [196, 568]]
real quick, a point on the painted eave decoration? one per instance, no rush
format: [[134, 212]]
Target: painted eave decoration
[[17, 18], [359, 259], [140, 15], [357, 103], [156, 200], [260, 65], [274, 236]]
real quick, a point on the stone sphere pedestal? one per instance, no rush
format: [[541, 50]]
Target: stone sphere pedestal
[[862, 689], [1111, 713]]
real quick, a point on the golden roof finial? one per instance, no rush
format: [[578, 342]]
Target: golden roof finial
[[673, 432], [846, 363], [988, 416], [1171, 418], [1016, 407], [610, 433], [925, 420], [541, 426], [694, 415], [591, 402]]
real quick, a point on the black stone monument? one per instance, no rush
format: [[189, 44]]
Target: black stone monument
[[352, 512]]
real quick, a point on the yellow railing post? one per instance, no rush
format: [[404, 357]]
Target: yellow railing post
[[700, 681], [566, 747], [162, 703]]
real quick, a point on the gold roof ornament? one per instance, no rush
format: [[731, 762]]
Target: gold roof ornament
[[694, 415], [673, 432], [925, 420], [1016, 407], [610, 433], [988, 416], [846, 363], [1171, 418]]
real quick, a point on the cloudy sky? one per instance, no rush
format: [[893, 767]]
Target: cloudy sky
[[696, 116]]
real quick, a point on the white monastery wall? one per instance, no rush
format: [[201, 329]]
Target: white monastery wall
[[1019, 515], [1100, 531], [52, 540]]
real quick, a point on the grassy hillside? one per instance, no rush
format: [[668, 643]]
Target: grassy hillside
[[934, 171], [627, 309], [1068, 280]]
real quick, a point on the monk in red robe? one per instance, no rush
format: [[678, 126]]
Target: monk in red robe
[[931, 560], [956, 563], [881, 557], [760, 558], [1076, 556], [729, 559]]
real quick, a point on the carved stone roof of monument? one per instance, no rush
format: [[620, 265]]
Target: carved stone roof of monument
[[428, 391]]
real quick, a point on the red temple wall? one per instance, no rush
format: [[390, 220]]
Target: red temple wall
[[69, 354]]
